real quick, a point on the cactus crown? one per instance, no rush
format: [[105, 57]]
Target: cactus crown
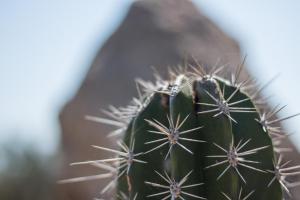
[[197, 136]]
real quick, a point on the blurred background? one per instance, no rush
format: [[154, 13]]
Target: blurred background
[[61, 60]]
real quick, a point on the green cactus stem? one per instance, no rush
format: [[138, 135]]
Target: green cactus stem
[[197, 136]]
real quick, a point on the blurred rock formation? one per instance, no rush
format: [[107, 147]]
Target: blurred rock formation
[[158, 33]]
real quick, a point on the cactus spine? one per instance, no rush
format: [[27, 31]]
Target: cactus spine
[[196, 137]]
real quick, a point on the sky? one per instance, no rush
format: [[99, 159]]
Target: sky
[[46, 48], [48, 45]]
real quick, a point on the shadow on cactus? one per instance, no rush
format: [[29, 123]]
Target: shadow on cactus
[[197, 136]]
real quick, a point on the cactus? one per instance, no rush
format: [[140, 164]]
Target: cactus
[[197, 136]]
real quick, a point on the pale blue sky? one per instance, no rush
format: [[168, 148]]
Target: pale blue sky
[[46, 47]]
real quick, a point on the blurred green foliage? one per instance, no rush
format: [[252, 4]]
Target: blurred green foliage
[[25, 175]]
